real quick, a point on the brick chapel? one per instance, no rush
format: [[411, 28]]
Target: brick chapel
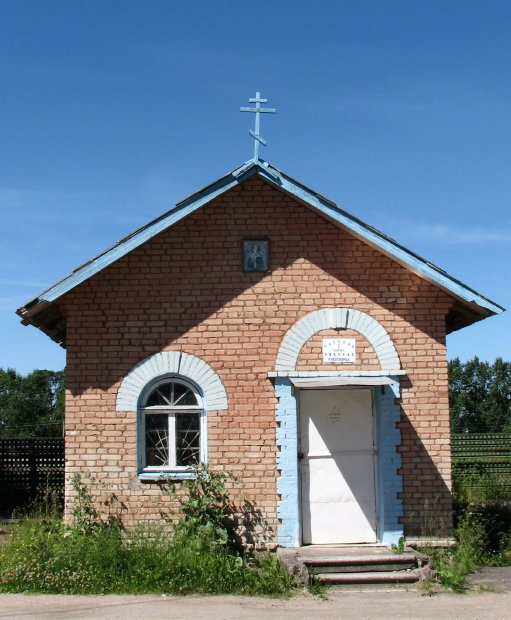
[[261, 329]]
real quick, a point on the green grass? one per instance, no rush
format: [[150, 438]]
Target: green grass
[[95, 554], [44, 556], [482, 516]]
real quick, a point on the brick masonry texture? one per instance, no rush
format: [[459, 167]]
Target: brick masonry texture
[[311, 353], [185, 290]]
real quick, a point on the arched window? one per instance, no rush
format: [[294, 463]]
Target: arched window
[[172, 427]]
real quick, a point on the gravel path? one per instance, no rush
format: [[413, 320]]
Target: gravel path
[[489, 598], [380, 604]]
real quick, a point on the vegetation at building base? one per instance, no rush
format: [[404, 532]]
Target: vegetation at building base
[[482, 529], [96, 555]]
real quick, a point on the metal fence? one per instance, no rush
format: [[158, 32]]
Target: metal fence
[[28, 467], [481, 455]]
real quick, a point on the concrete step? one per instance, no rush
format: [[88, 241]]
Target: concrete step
[[411, 576], [360, 563], [360, 568]]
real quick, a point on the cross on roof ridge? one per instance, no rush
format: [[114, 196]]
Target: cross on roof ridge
[[258, 139]]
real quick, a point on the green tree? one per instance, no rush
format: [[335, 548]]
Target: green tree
[[480, 396], [31, 405]]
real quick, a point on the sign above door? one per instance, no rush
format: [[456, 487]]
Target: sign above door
[[339, 350]]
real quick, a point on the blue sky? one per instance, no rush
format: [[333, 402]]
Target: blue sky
[[111, 112]]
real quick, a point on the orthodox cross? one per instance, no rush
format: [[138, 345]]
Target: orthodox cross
[[258, 110]]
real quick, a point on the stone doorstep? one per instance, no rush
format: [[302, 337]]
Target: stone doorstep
[[348, 560], [360, 563], [411, 576], [355, 564], [371, 550], [360, 568]]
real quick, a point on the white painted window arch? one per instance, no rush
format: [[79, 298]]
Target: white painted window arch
[[171, 393], [169, 363]]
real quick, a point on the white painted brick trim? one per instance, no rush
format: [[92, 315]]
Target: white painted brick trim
[[170, 363], [333, 318]]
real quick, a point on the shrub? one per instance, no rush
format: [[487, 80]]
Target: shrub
[[204, 505]]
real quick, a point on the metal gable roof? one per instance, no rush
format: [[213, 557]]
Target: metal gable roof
[[474, 305]]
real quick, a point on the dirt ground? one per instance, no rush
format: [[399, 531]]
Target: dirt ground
[[490, 598]]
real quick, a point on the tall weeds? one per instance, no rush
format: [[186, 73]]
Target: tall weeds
[[95, 555], [482, 519]]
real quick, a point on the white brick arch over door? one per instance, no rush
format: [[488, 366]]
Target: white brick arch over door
[[335, 318], [171, 363]]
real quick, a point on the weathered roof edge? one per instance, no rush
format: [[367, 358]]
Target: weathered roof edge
[[182, 209]]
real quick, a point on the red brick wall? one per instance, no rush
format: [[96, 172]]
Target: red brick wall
[[185, 290]]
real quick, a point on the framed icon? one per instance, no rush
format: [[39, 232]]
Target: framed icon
[[255, 255]]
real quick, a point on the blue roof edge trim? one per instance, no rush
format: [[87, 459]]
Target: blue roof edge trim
[[388, 246], [305, 195], [140, 236]]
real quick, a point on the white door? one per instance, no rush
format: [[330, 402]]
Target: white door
[[337, 466]]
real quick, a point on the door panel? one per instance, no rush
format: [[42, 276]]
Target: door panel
[[337, 468]]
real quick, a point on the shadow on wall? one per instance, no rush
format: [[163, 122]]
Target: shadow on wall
[[427, 500], [161, 291], [420, 297], [250, 528]]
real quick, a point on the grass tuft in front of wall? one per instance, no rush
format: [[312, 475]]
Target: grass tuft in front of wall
[[97, 556], [482, 514]]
